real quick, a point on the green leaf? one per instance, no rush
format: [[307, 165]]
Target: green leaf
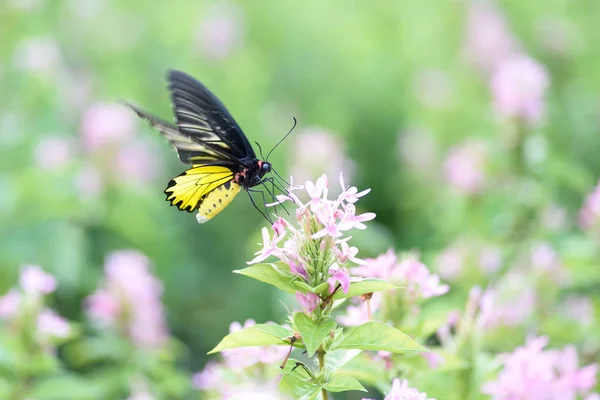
[[338, 358], [257, 335], [296, 383], [275, 274], [343, 383], [312, 333], [306, 288], [367, 285], [378, 336]]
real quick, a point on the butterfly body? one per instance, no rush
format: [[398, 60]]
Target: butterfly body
[[206, 136]]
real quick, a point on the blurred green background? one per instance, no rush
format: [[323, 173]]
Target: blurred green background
[[381, 89]]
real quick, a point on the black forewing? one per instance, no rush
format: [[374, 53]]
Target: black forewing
[[201, 116]]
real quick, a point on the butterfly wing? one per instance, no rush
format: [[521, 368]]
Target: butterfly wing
[[203, 118], [208, 188]]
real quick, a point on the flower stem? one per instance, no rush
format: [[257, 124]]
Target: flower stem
[[321, 354]]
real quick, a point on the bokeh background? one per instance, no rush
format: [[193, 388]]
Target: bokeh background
[[475, 123]]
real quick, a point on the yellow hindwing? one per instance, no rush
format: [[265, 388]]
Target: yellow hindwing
[[216, 201], [189, 190]]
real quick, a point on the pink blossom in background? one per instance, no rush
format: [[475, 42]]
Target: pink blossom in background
[[89, 183], [358, 313], [35, 281], [545, 262], [401, 391], [579, 309], [136, 163], [488, 38], [382, 267], [449, 264], [464, 167], [9, 304], [220, 30], [518, 88], [589, 215], [510, 304], [52, 325], [106, 124], [418, 149], [53, 152], [130, 295], [209, 378], [318, 151], [241, 358], [433, 87], [531, 372], [38, 54], [434, 360], [490, 259]]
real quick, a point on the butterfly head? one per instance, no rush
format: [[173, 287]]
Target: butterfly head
[[264, 167]]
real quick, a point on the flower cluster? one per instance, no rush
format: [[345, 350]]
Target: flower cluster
[[28, 301], [410, 273], [314, 247], [531, 372], [401, 391], [130, 299], [224, 378]]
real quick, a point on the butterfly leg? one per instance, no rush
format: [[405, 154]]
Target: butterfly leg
[[272, 193], [255, 206]]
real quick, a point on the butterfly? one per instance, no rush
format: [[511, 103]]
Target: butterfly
[[206, 136]]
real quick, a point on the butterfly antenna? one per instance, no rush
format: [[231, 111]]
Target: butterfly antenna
[[280, 177], [286, 135], [260, 150]]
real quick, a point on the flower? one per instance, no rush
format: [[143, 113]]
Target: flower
[[104, 124], [589, 215], [488, 39], [136, 163], [316, 150], [518, 87], [340, 275], [401, 391], [53, 152], [9, 303], [531, 372], [464, 166], [130, 295], [269, 246], [362, 311], [35, 281], [52, 325], [220, 31], [308, 301]]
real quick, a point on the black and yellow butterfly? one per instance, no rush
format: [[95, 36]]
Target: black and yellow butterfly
[[207, 137]]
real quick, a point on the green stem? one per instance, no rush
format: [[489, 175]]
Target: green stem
[[321, 354]]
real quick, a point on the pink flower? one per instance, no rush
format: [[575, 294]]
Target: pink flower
[[89, 182], [130, 295], [35, 281], [279, 226], [531, 372], [490, 260], [340, 275], [209, 378], [579, 309], [488, 38], [308, 301], [54, 152], [401, 391], [136, 163], [589, 215], [382, 267], [9, 304], [362, 311], [464, 167], [240, 358], [106, 124], [297, 268], [348, 253], [220, 31], [545, 261], [420, 283], [450, 263], [350, 194], [317, 150], [434, 360], [518, 87], [352, 221], [50, 324], [269, 246]]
